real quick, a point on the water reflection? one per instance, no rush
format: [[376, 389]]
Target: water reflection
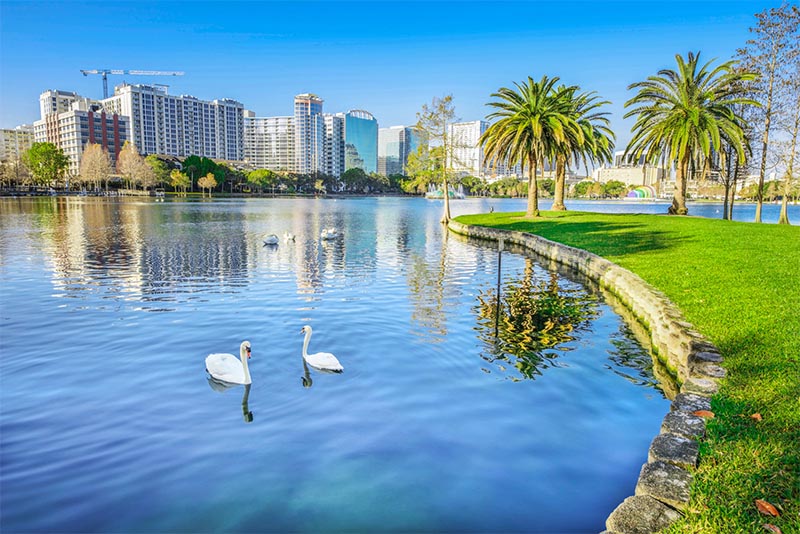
[[306, 379], [533, 318], [221, 387]]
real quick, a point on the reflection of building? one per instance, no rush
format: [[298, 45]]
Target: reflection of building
[[84, 124], [394, 146], [360, 141], [632, 171], [13, 142], [269, 142], [309, 134], [467, 156]]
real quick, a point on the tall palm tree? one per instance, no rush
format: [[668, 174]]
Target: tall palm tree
[[596, 144], [686, 112], [531, 122]]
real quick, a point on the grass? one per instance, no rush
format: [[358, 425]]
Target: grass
[[739, 284]]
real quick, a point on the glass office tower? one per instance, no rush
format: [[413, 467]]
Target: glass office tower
[[360, 141]]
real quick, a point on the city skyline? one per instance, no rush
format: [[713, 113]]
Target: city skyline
[[383, 57]]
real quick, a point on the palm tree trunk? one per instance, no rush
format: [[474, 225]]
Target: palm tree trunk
[[561, 178], [533, 189], [678, 206]]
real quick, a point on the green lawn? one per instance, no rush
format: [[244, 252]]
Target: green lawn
[[739, 284]]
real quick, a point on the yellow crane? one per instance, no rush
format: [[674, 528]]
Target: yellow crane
[[106, 72]]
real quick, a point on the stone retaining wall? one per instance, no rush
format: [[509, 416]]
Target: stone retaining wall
[[662, 491]]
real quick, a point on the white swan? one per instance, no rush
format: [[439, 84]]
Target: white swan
[[288, 237], [329, 233], [227, 368], [321, 361], [271, 239]]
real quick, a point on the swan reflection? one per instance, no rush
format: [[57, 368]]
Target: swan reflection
[[221, 387], [307, 381]]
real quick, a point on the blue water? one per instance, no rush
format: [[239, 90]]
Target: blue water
[[108, 423]]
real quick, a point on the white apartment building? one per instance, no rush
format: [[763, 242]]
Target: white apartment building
[[632, 172], [181, 126], [15, 141], [269, 142], [309, 134], [468, 158], [334, 145]]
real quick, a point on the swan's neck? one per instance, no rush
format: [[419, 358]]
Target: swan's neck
[[243, 356], [305, 344]]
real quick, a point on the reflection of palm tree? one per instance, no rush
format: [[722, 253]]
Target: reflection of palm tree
[[535, 316]]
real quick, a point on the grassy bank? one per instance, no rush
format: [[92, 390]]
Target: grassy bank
[[739, 284]]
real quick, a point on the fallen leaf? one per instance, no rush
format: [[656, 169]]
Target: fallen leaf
[[704, 413], [772, 528], [756, 416], [766, 508]]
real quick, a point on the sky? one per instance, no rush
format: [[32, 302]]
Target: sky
[[388, 58]]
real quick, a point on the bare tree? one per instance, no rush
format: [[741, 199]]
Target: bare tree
[[770, 53], [95, 165], [433, 121]]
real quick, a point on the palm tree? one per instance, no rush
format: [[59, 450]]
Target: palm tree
[[597, 142], [531, 122], [685, 113]]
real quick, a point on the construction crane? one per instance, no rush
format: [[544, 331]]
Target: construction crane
[[106, 72]]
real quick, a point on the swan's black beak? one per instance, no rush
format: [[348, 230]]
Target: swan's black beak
[[248, 353]]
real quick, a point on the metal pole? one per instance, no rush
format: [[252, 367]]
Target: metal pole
[[499, 272]]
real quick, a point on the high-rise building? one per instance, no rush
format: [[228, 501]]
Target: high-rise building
[[269, 142], [334, 145], [394, 146], [467, 156], [309, 134], [360, 141], [15, 141], [54, 101], [161, 123], [85, 123]]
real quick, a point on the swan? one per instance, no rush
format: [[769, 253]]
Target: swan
[[321, 361], [271, 239], [288, 237], [329, 233], [227, 368]]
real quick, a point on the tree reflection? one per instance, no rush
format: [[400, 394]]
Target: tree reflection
[[535, 317]]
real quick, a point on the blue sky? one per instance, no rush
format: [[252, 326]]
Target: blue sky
[[388, 58]]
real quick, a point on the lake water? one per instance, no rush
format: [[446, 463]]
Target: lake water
[[108, 422]]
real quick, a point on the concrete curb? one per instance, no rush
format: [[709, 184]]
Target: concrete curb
[[662, 490]]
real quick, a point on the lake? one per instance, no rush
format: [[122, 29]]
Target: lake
[[109, 423]]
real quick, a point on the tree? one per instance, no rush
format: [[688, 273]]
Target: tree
[[771, 54], [46, 162], [433, 122], [133, 167], [95, 165], [263, 178], [793, 126], [160, 170], [582, 188], [179, 180], [531, 122], [597, 141], [685, 114], [615, 189], [355, 180], [207, 182]]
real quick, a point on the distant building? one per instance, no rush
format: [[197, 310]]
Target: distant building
[[85, 123], [394, 146], [269, 142], [360, 141], [309, 131], [468, 158], [182, 126], [334, 145], [15, 141], [633, 172]]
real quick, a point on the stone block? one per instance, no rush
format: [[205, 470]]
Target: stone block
[[684, 424], [708, 370], [673, 449], [641, 514], [690, 402], [704, 356], [700, 386], [666, 482]]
